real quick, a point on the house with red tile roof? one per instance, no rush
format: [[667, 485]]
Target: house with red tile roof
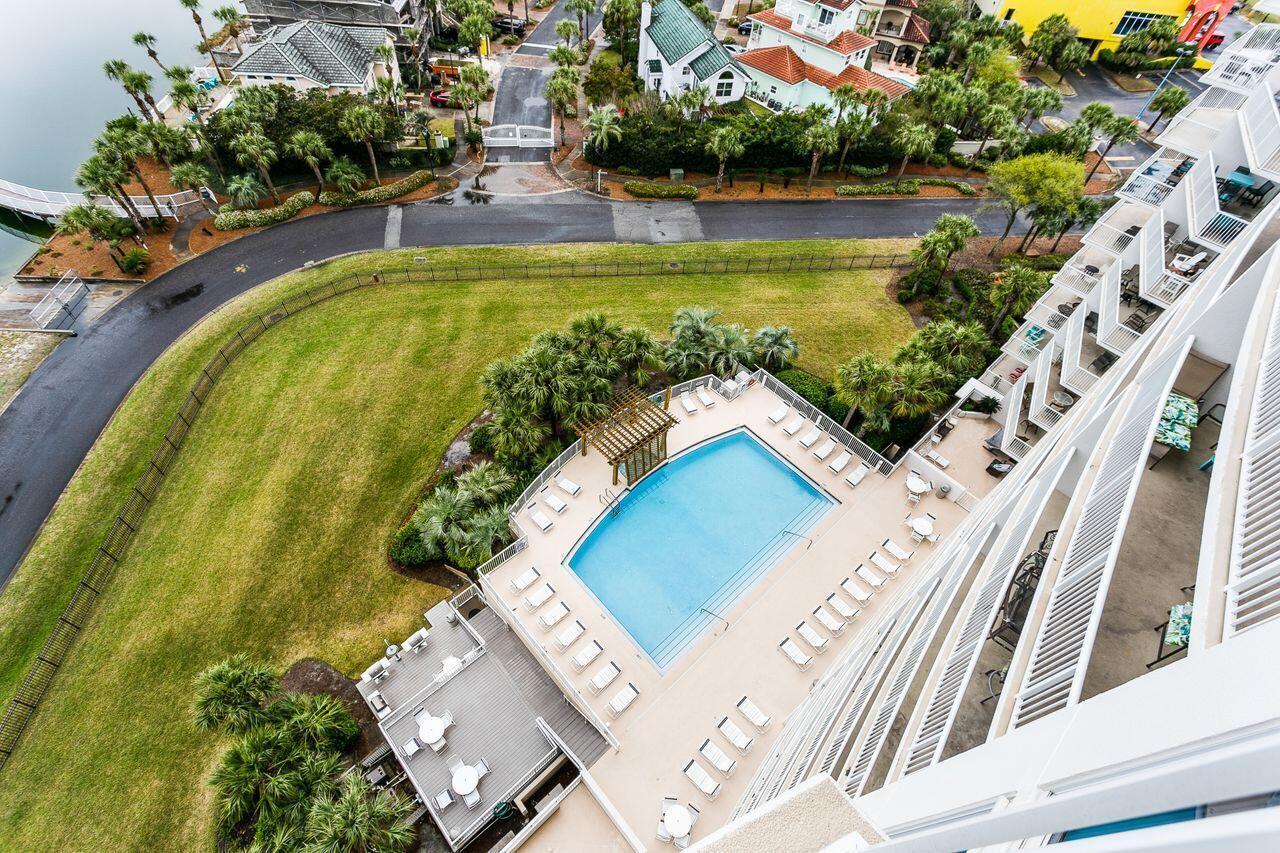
[[800, 50]]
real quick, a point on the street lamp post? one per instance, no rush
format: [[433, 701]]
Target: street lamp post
[[1182, 52]]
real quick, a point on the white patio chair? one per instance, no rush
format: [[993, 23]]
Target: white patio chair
[[736, 736], [795, 654], [856, 592], [816, 641], [825, 450], [794, 427], [552, 500], [447, 719], [842, 607], [779, 413], [837, 464], [569, 487], [835, 626], [570, 635], [604, 677], [412, 747], [689, 406], [661, 833], [622, 700], [552, 617], [378, 704], [587, 655], [472, 800], [811, 437], [444, 799], [702, 779], [754, 715], [858, 474], [870, 578], [539, 596], [897, 550], [912, 499], [482, 769], [525, 580], [719, 760], [703, 397], [938, 459], [540, 518]]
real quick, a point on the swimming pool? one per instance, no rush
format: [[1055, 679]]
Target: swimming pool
[[692, 537]]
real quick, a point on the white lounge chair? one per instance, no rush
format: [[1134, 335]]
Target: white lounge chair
[[885, 565], [700, 777], [842, 607], [552, 500], [622, 700], [815, 640], [587, 655], [552, 617], [898, 552], [525, 580], [736, 736], [825, 450], [719, 760], [1182, 263], [811, 437], [569, 487], [754, 715], [837, 464], [795, 654], [604, 677], [743, 378], [779, 413], [857, 474], [540, 518], [570, 635], [539, 596], [689, 406], [870, 578], [703, 397], [794, 427], [856, 592], [834, 625], [444, 799], [938, 459]]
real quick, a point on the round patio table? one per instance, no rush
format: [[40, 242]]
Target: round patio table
[[1062, 398], [917, 486], [430, 729], [465, 780], [678, 821], [922, 526]]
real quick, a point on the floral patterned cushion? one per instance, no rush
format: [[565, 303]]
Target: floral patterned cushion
[[1181, 410]]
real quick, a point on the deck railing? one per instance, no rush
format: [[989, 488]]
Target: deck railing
[[806, 409]]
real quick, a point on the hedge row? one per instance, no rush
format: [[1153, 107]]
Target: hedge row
[[230, 219], [908, 187], [644, 189], [959, 186], [404, 186], [869, 171]]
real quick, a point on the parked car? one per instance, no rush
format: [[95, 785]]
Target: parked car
[[744, 28], [1214, 41], [735, 48], [442, 98], [509, 25]]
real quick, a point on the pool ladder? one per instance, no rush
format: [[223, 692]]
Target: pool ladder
[[610, 501]]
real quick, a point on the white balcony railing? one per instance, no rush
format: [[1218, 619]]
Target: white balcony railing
[[1041, 413], [1027, 342], [1073, 275], [1010, 443], [1075, 376]]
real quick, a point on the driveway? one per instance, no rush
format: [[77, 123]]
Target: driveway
[[543, 38], [519, 100], [1092, 86], [50, 426]]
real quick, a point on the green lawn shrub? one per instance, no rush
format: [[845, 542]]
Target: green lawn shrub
[[230, 220]]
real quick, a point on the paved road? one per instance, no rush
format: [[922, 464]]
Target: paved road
[[543, 37], [519, 100], [1092, 86], [53, 422]]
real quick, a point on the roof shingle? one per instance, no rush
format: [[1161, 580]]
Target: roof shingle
[[782, 63], [675, 31], [333, 56], [845, 42]]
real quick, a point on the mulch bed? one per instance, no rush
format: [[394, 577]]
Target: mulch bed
[[310, 675]]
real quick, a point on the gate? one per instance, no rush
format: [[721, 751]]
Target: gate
[[517, 136], [62, 304]]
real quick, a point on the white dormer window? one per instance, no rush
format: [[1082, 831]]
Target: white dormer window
[[825, 16]]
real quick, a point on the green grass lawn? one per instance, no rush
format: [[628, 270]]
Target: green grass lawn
[[268, 535]]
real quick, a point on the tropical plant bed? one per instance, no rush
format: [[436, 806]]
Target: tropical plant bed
[[94, 260], [1131, 82], [746, 190]]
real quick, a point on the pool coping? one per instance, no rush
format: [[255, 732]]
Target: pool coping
[[760, 575]]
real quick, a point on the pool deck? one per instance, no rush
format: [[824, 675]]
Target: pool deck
[[678, 709]]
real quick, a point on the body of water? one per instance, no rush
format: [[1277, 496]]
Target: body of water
[[54, 98]]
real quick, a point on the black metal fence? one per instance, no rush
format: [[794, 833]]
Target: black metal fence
[[79, 609]]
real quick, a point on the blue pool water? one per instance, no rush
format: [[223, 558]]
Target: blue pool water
[[692, 537]]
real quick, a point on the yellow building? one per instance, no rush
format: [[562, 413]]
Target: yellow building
[[1102, 23]]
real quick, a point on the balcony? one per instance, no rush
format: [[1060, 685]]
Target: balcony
[[1028, 341], [1085, 269], [1248, 62], [1119, 227], [1197, 128], [1154, 181]]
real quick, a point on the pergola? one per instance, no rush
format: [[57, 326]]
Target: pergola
[[632, 436]]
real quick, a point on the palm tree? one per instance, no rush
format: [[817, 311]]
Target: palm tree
[[959, 349], [865, 384], [167, 144], [253, 148], [582, 9], [315, 721], [1097, 115], [194, 177], [1037, 101], [562, 93], [845, 97], [140, 82], [725, 144], [730, 350], [413, 35], [193, 7], [995, 118], [474, 75], [563, 57], [1122, 129], [245, 191], [1168, 101], [126, 145], [118, 69], [265, 777], [568, 30], [1012, 292], [105, 177], [359, 820], [603, 126], [233, 695], [639, 354], [694, 325], [344, 175], [774, 347], [852, 129], [820, 140], [440, 517], [915, 139], [309, 147], [918, 387], [516, 435], [481, 532], [362, 123], [230, 17], [485, 483], [147, 42], [89, 219]]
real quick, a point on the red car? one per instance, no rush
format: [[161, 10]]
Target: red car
[[442, 98]]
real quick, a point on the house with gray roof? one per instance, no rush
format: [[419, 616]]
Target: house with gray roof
[[678, 53], [312, 55]]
